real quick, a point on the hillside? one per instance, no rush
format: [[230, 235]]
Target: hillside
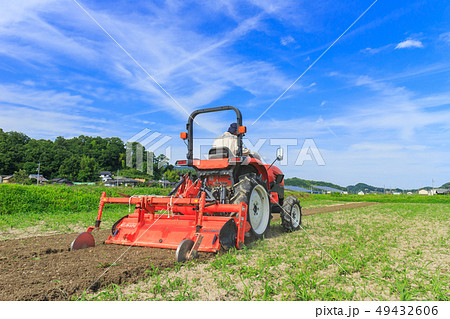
[[308, 184], [352, 189]]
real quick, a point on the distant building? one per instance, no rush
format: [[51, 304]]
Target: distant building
[[105, 175], [165, 183], [442, 191], [122, 181], [361, 193], [327, 190], [7, 179], [301, 189], [39, 178], [62, 181], [424, 192]]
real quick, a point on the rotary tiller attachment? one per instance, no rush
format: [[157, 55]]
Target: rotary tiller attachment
[[187, 225]]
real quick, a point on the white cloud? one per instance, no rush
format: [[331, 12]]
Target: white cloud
[[394, 136], [409, 44], [49, 113], [377, 50], [49, 124], [287, 40], [42, 99], [445, 37], [195, 68]]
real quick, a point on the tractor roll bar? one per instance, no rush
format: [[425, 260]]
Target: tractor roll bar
[[189, 127]]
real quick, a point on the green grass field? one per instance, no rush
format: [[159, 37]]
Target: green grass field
[[57, 207], [444, 199], [385, 252], [391, 251]]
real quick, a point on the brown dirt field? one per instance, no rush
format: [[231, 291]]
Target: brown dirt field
[[334, 208], [43, 268], [330, 208]]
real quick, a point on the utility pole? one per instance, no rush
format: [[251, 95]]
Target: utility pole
[[38, 176]]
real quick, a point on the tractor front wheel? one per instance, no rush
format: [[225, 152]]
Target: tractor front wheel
[[291, 214]]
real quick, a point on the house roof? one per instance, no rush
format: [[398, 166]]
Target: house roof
[[328, 189], [61, 180], [122, 180], [300, 189], [39, 177]]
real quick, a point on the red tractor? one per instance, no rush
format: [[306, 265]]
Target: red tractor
[[231, 198]]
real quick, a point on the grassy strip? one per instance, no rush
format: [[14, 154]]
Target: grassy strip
[[336, 197], [387, 252], [56, 207], [26, 199]]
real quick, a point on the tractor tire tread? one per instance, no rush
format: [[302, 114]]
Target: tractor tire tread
[[286, 220]]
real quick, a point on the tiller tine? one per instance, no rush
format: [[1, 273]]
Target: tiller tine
[[83, 240]]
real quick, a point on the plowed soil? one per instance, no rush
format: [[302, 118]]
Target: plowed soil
[[334, 208], [43, 268], [330, 208]]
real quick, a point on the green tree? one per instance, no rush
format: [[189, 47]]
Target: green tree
[[88, 170], [69, 168], [77, 158], [171, 175], [21, 177], [12, 151]]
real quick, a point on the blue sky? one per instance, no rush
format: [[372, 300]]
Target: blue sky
[[376, 104]]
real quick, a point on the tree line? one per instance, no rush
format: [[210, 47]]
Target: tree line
[[77, 159]]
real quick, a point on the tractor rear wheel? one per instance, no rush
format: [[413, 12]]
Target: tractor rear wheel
[[251, 190], [291, 214]]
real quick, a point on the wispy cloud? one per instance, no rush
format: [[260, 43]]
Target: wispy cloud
[[43, 99], [49, 124], [393, 127], [62, 75], [410, 43], [196, 68], [287, 40], [377, 50], [445, 37]]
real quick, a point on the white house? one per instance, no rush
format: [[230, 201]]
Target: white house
[[105, 175]]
